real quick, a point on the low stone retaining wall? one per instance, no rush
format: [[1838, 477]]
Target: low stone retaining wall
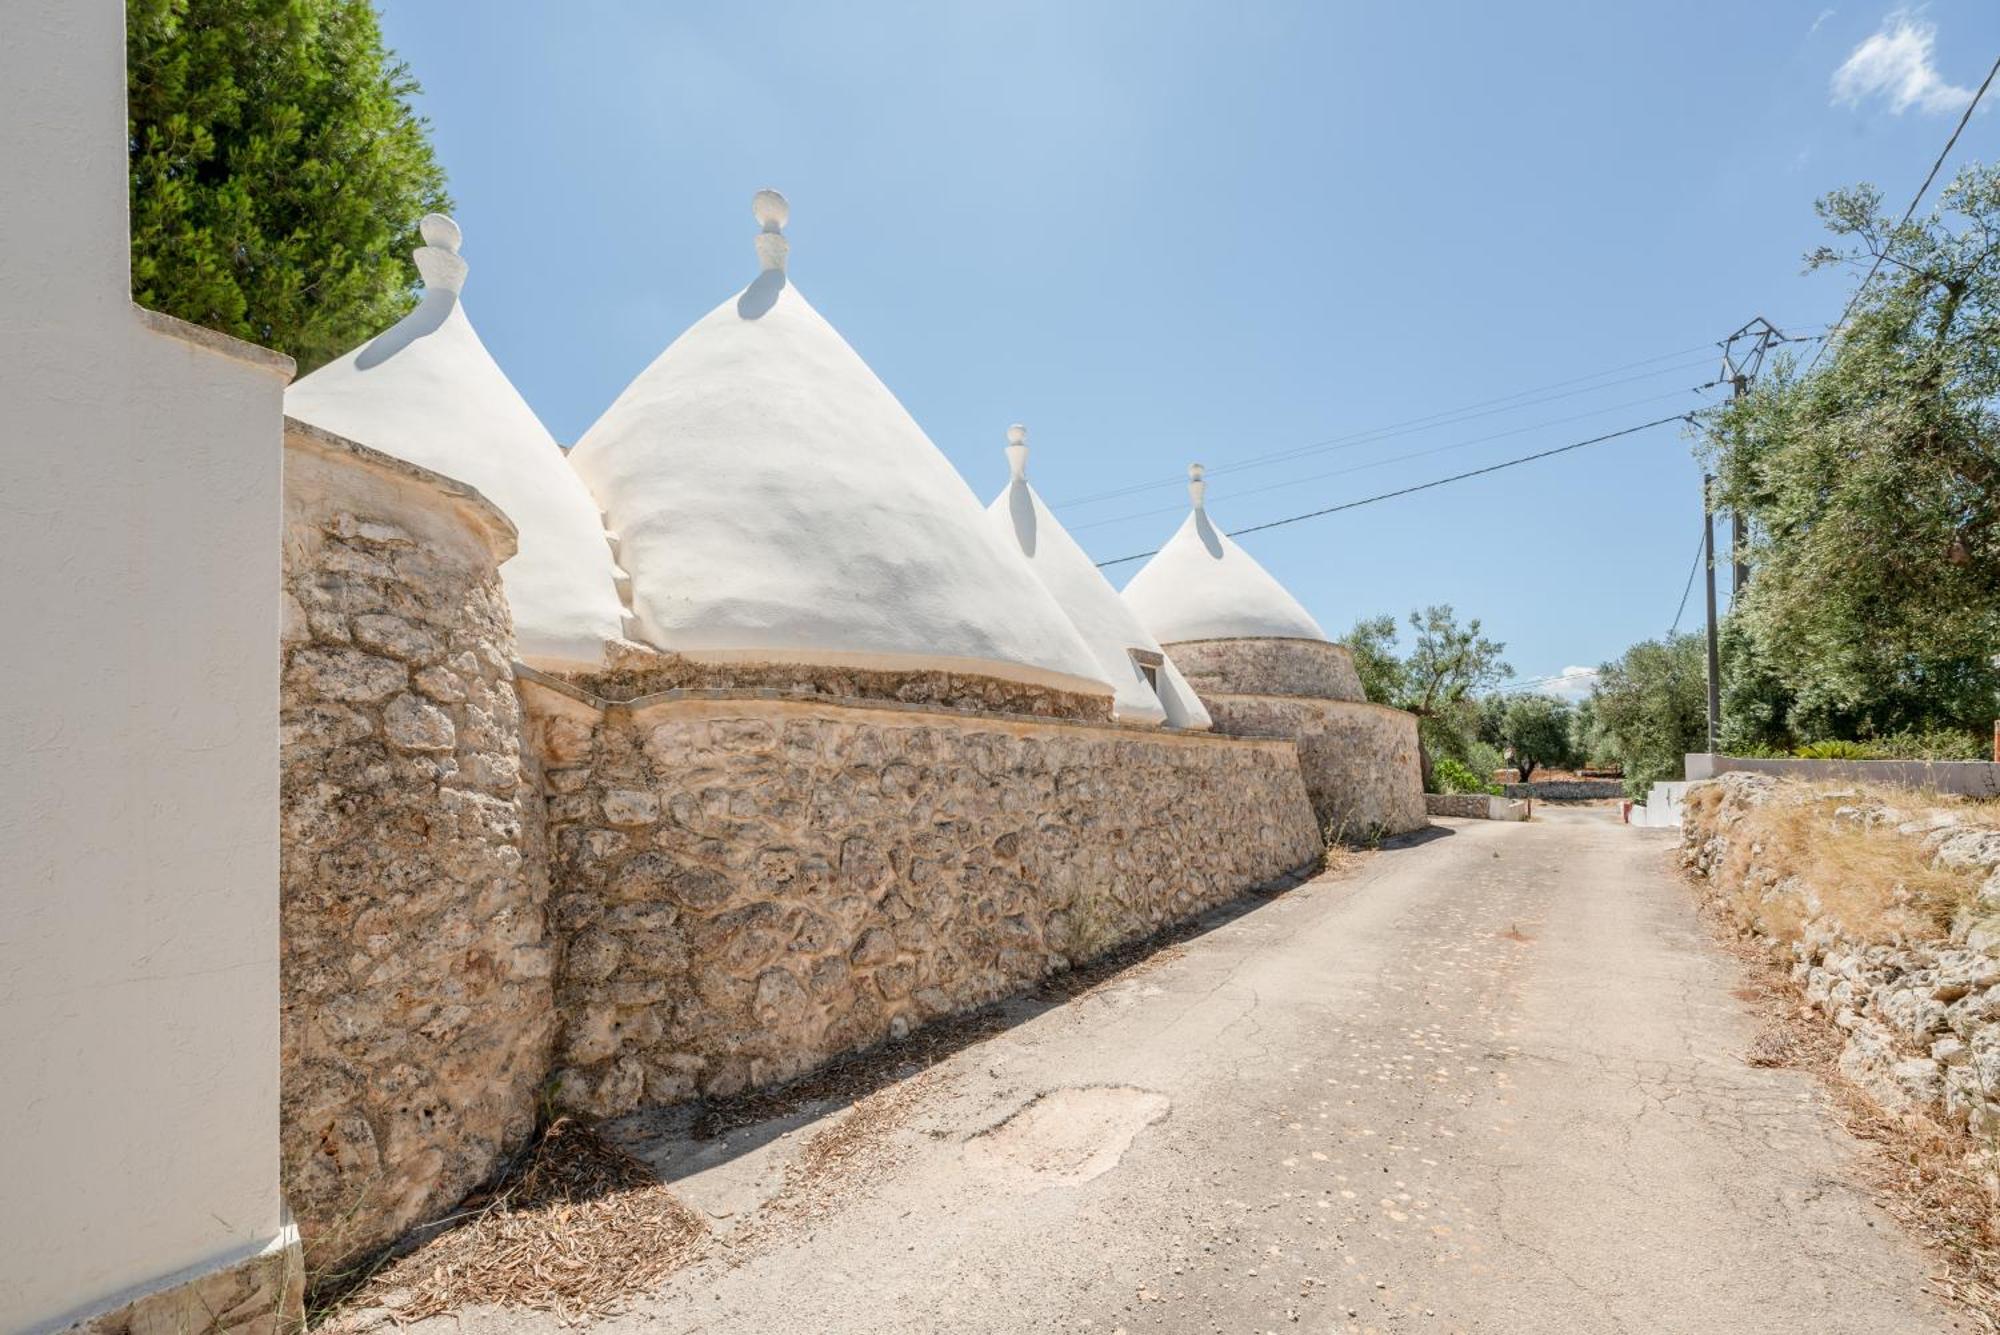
[[1474, 806], [1922, 1017], [1359, 759], [1566, 790], [750, 885], [414, 974]]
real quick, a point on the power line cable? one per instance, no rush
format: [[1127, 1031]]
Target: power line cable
[[1404, 458], [1426, 486], [1908, 213], [1408, 426], [1699, 547]]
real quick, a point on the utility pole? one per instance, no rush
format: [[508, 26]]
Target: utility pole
[[1742, 357], [1714, 653]]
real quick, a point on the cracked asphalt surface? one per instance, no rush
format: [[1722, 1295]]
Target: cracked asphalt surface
[[1492, 1081]]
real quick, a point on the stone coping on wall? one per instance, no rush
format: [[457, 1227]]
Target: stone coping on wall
[[642, 704], [1965, 778], [488, 519], [214, 340]]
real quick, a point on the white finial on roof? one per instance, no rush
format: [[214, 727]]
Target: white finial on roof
[[1196, 487], [772, 212], [438, 259], [1017, 451]]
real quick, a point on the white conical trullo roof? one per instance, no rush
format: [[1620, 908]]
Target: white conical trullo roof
[[1202, 586], [774, 502], [427, 391], [1092, 605]]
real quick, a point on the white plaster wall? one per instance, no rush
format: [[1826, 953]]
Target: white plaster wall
[[138, 804]]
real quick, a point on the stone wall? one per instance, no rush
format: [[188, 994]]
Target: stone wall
[[1359, 760], [638, 670], [751, 885], [1313, 668], [1474, 806], [1566, 790], [1921, 1015], [415, 972]]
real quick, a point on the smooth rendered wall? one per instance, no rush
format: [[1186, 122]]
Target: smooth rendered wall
[[139, 529]]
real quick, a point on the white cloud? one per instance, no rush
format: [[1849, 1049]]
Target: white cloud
[[1824, 15], [1895, 64], [1572, 683]]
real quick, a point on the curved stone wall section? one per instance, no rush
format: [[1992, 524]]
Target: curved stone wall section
[[415, 974], [1315, 668], [1359, 760], [752, 886]]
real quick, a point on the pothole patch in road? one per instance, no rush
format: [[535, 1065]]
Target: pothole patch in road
[[1065, 1137]]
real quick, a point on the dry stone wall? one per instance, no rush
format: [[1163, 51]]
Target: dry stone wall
[[749, 886], [1921, 1017], [415, 967], [636, 671], [1359, 760], [1312, 668]]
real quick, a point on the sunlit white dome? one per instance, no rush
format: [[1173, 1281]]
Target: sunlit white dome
[[773, 501], [1146, 691], [1202, 586], [427, 391]]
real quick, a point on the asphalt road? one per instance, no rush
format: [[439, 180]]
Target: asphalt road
[[1492, 1081]]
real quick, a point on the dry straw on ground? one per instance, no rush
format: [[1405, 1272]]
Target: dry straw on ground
[[1879, 885], [581, 1227]]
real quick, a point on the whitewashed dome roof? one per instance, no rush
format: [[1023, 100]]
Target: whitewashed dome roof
[[1107, 625], [427, 391], [1202, 586], [774, 502]]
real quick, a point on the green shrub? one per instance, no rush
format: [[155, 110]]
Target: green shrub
[[1833, 748], [1931, 744], [1452, 776]]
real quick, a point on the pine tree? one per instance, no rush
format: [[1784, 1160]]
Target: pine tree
[[278, 170]]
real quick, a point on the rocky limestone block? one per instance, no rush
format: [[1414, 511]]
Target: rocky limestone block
[[1359, 760], [1313, 668], [749, 887], [415, 970]]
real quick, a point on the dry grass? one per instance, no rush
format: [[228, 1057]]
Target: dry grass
[[1878, 884], [581, 1227], [1934, 1179]]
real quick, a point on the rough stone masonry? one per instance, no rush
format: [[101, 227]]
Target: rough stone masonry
[[415, 970], [1921, 1016], [749, 886]]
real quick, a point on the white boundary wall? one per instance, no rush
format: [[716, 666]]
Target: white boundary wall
[[139, 552]]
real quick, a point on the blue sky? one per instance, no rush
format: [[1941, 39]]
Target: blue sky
[[1164, 232]]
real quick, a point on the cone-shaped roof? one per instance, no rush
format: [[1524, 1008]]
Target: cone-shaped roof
[[427, 391], [1202, 586], [773, 501], [1092, 605]]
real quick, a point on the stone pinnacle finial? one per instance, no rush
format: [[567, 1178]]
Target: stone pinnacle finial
[[772, 213], [438, 259], [1196, 487], [1017, 451]]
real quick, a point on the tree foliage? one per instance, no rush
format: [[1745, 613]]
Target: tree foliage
[[1650, 709], [1872, 486], [1535, 730], [278, 171], [1448, 665]]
